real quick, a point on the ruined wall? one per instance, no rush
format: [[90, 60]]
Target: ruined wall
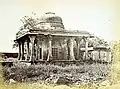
[[102, 55]]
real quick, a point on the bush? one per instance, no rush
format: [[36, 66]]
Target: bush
[[86, 72]]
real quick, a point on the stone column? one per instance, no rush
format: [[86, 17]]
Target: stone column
[[70, 49], [109, 56], [49, 48], [40, 45], [42, 49], [38, 49], [86, 47], [22, 51], [78, 47], [28, 55], [32, 54], [19, 55]]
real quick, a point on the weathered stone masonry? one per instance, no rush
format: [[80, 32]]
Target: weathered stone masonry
[[51, 41]]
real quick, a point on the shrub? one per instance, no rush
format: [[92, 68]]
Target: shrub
[[86, 72]]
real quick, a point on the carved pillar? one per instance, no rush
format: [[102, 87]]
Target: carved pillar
[[42, 49], [25, 49], [36, 49], [28, 55], [32, 48], [38, 43], [86, 47], [70, 49], [78, 47], [19, 55], [22, 51], [40, 52], [61, 43], [49, 48]]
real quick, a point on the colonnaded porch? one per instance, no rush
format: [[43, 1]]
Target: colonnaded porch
[[49, 47]]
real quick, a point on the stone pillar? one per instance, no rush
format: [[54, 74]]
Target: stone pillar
[[109, 56], [19, 55], [28, 55], [49, 48], [40, 45], [32, 48], [70, 49], [42, 48], [78, 47], [86, 47], [38, 49], [22, 51]]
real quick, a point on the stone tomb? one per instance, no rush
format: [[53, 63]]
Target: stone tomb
[[50, 41]]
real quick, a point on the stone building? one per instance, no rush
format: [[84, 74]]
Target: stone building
[[99, 53], [102, 53], [50, 41]]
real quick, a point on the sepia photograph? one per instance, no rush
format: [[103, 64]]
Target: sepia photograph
[[59, 44]]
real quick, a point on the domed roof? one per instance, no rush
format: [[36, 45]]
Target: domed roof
[[52, 19]]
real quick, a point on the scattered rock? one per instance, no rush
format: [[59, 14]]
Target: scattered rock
[[56, 79], [105, 83], [63, 80], [52, 79], [28, 64], [11, 81]]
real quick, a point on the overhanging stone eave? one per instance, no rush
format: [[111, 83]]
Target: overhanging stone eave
[[73, 35], [66, 34], [60, 34], [22, 35]]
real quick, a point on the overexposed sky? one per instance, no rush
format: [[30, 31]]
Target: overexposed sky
[[100, 17]]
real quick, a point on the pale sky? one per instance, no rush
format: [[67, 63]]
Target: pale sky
[[100, 17]]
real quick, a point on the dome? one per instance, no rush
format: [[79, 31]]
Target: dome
[[50, 17], [52, 20]]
